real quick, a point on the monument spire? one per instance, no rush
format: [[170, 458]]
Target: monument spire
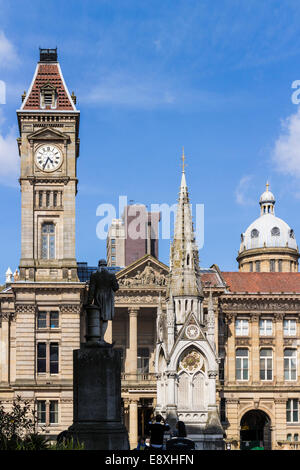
[[184, 259]]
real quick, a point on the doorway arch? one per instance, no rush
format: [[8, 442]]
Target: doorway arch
[[255, 430]]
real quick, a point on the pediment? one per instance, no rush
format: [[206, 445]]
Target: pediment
[[190, 331], [48, 134], [143, 273]]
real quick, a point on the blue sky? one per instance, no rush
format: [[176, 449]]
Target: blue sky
[[151, 77]]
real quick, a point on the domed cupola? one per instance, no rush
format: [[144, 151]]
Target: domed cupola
[[268, 244], [267, 202]]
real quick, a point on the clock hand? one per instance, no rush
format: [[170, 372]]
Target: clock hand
[[46, 162]]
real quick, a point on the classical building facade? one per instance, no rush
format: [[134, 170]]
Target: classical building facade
[[248, 322]]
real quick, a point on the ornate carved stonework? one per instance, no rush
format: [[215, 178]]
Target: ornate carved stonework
[[25, 308], [136, 299], [70, 308], [191, 361], [242, 341], [149, 277], [246, 303], [266, 341]]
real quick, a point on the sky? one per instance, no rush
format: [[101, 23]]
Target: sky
[[151, 77]]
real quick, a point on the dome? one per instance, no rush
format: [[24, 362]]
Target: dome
[[268, 231], [267, 196]]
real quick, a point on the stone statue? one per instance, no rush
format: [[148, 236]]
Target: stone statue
[[100, 309]]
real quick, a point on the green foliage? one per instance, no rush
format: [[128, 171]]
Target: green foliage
[[19, 422], [19, 430], [67, 444]]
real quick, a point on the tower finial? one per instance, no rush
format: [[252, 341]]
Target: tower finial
[[267, 186], [183, 160]]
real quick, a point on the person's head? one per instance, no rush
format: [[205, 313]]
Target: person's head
[[181, 429], [102, 262], [158, 418]]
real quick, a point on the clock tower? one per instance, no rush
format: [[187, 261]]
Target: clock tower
[[48, 147]]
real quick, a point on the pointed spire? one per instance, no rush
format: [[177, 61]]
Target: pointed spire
[[183, 180], [210, 320], [184, 265], [8, 276]]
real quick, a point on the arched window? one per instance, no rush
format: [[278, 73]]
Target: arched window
[[188, 260], [183, 391], [48, 240], [198, 391], [275, 232], [292, 234], [254, 233]]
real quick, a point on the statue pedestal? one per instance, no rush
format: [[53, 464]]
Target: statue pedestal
[[97, 399]]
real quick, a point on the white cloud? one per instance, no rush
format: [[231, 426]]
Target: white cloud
[[286, 151], [242, 190], [9, 157], [8, 54]]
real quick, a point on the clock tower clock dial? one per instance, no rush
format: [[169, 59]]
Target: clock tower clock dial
[[48, 158]]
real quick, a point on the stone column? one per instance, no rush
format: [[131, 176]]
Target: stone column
[[278, 362], [132, 351], [4, 348], [108, 333], [280, 421], [255, 364], [133, 423], [233, 431], [171, 407], [230, 353]]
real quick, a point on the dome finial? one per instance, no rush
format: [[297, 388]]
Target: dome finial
[[267, 186]]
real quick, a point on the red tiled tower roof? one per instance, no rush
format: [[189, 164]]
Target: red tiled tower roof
[[48, 74], [262, 282]]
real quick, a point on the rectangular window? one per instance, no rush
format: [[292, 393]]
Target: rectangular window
[[242, 364], [53, 358], [48, 98], [257, 266], [265, 327], [290, 364], [266, 364], [54, 320], [122, 358], [41, 357], [289, 327], [42, 320], [221, 369], [251, 266], [143, 361], [55, 198], [242, 327], [53, 412], [279, 265], [41, 412], [292, 413]]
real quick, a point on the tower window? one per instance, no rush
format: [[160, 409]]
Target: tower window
[[272, 265], [257, 266], [48, 240], [292, 234], [254, 233], [275, 232], [280, 265], [48, 97]]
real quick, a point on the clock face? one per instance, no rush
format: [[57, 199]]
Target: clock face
[[48, 158]]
